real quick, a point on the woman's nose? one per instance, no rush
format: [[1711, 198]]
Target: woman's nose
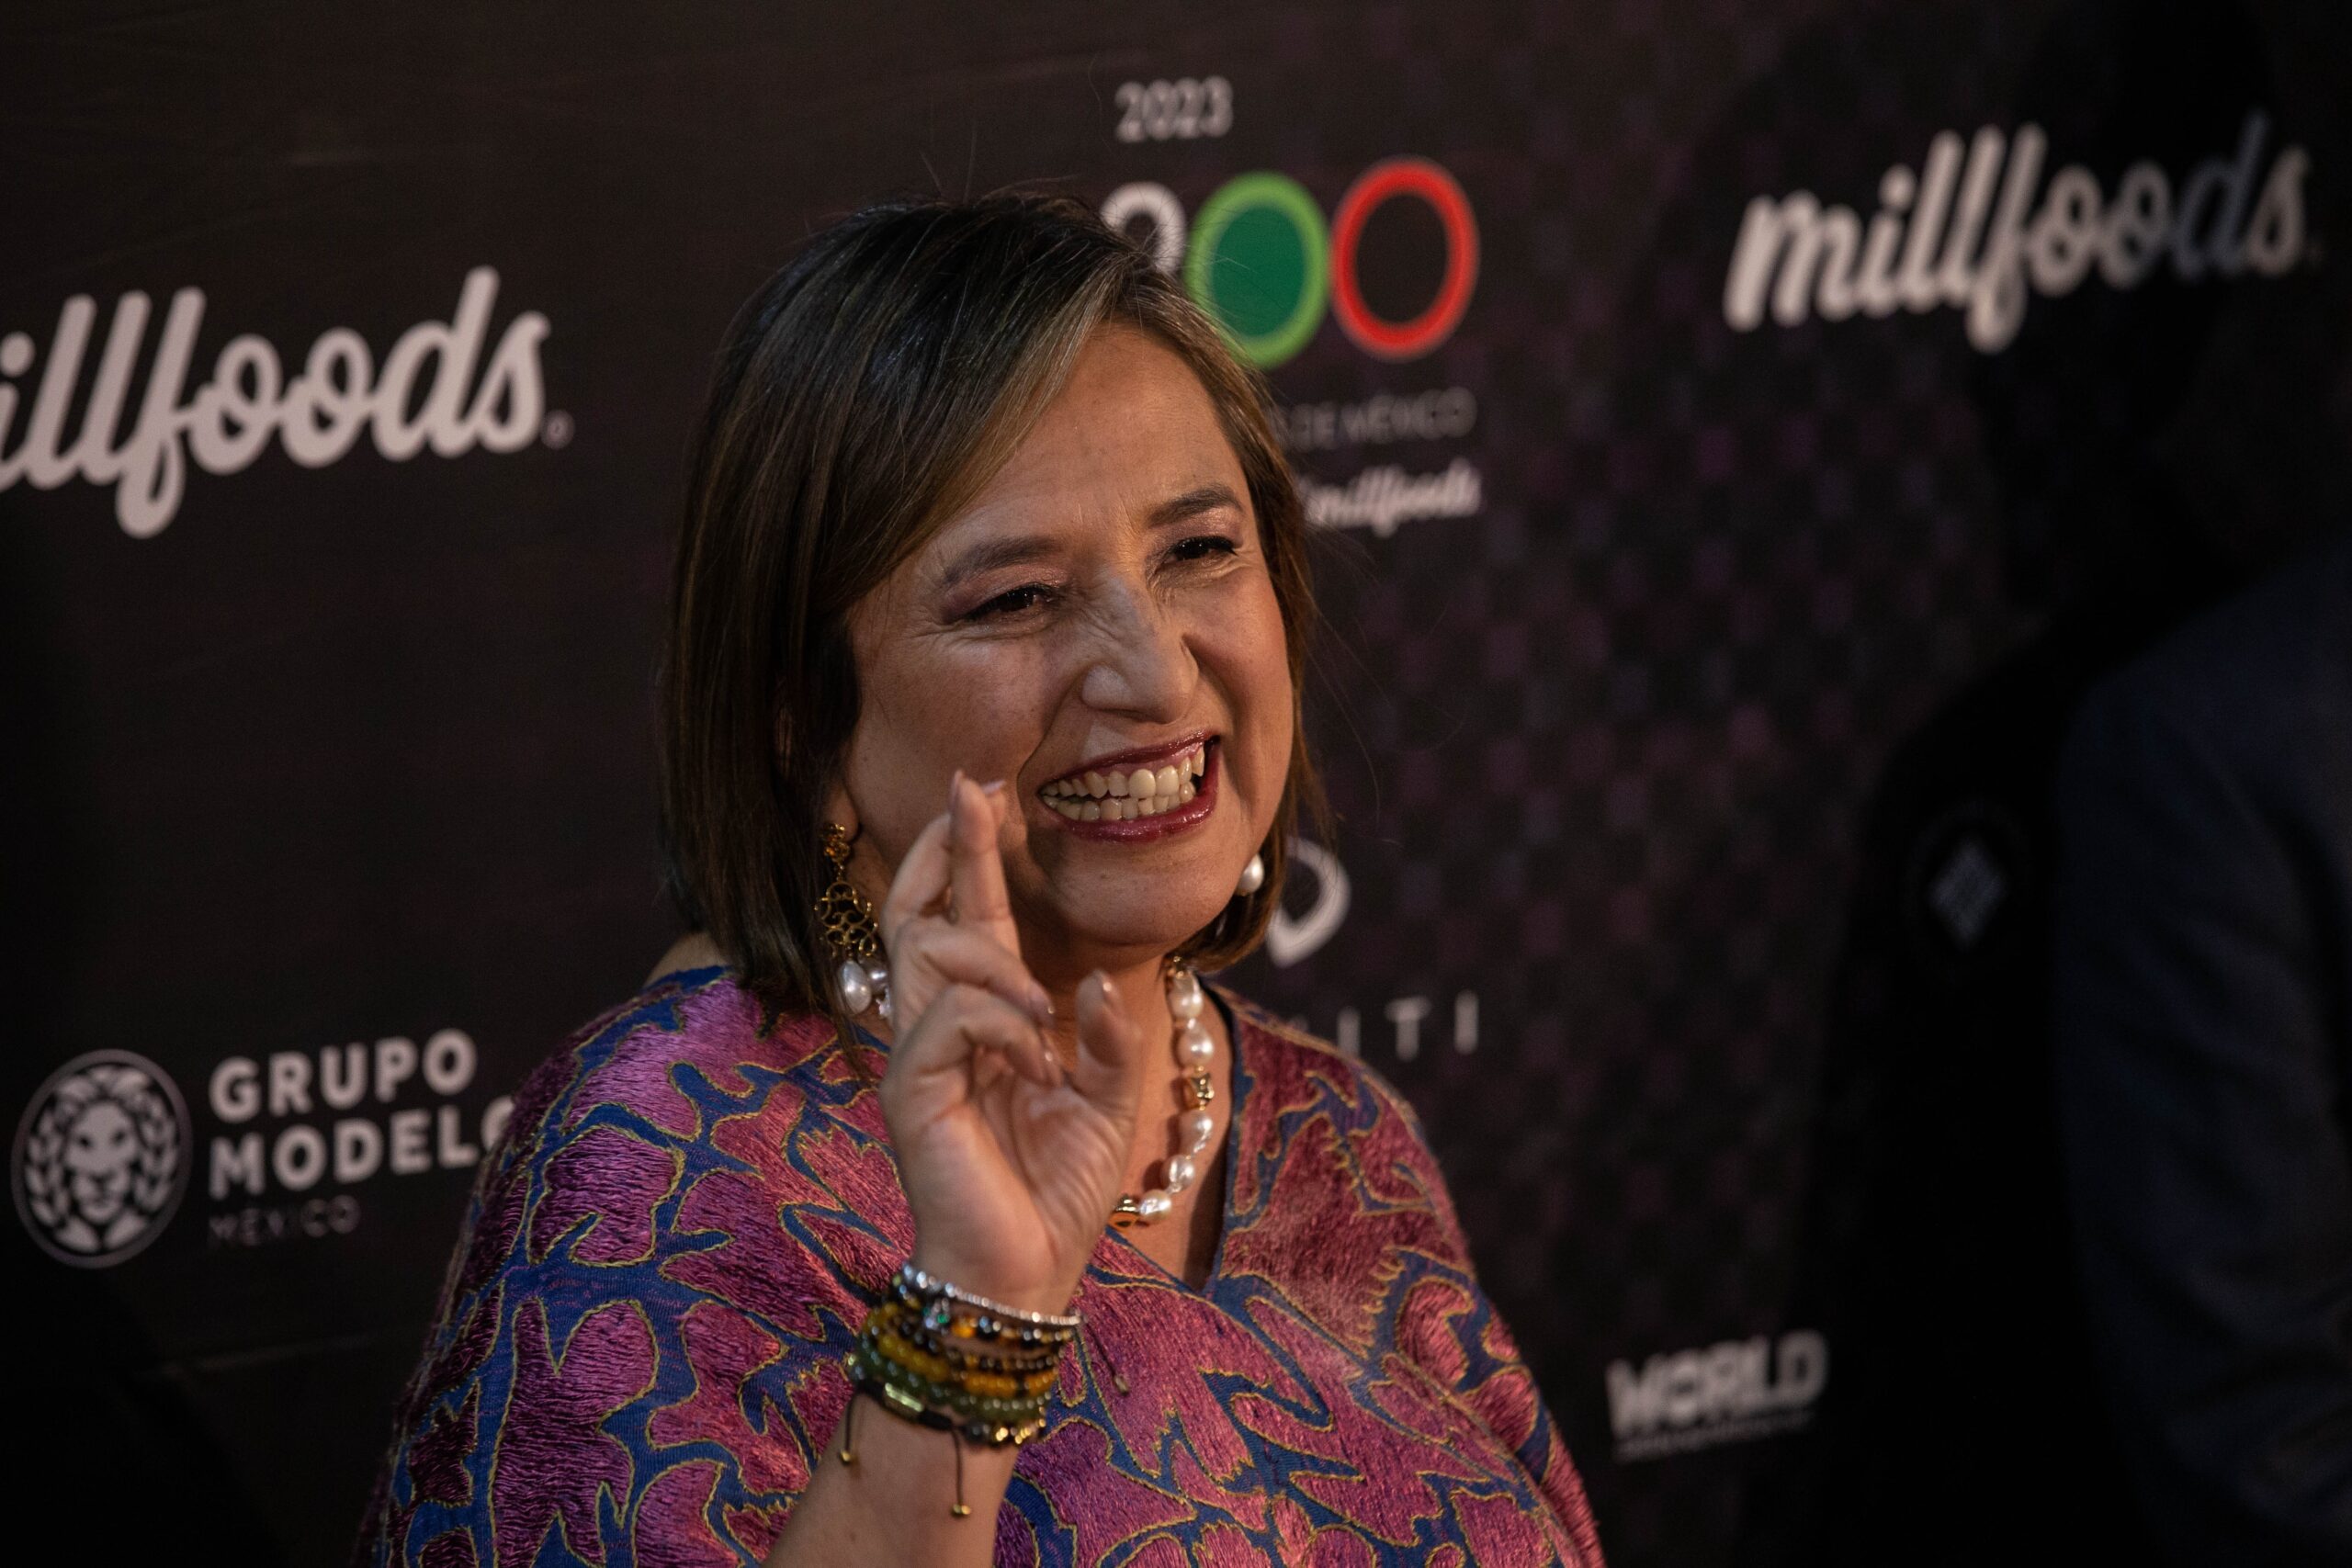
[[1143, 662]]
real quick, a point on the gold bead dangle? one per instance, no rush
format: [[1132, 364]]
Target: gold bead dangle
[[845, 918]]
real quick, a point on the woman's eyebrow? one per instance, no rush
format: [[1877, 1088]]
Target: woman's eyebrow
[[989, 554], [1192, 503], [1019, 549]]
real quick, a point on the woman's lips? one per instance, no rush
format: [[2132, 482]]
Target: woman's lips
[[1185, 814]]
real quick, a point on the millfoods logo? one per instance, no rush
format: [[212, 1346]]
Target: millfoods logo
[[1381, 497], [101, 1158], [1977, 230], [222, 427]]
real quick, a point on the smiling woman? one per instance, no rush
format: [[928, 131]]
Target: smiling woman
[[930, 1114]]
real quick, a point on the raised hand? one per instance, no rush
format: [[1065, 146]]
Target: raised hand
[[1010, 1164]]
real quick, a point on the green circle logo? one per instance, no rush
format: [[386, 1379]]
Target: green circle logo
[[1259, 264]]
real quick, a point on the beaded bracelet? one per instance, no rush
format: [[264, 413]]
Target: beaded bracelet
[[958, 1355], [989, 1401], [955, 1361], [943, 1306]]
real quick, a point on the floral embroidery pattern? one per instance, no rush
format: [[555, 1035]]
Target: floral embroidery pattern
[[637, 1354]]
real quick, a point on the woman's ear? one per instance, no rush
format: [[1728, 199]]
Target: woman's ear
[[840, 808], [870, 870]]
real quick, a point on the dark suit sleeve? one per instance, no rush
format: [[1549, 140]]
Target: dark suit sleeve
[[2200, 1106]]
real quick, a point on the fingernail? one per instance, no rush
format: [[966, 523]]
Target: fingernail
[[992, 788], [1040, 1003]]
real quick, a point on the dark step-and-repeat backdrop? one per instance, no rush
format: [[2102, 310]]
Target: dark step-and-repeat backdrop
[[1740, 432]]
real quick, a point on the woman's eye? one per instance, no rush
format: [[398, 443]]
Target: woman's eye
[[1030, 595], [1011, 601]]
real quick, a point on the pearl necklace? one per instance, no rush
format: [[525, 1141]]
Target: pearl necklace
[[1194, 1125]]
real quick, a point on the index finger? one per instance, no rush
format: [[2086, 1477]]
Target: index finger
[[922, 877], [977, 864]]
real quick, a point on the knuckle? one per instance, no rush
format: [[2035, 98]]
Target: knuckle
[[920, 937], [991, 960], [976, 957]]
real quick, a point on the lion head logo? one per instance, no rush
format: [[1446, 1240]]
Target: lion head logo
[[100, 1159]]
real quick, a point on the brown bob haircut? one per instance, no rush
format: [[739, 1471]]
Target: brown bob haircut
[[861, 397]]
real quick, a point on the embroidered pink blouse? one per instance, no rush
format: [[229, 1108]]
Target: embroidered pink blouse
[[638, 1351]]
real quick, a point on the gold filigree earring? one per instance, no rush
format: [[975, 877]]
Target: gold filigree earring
[[845, 916]]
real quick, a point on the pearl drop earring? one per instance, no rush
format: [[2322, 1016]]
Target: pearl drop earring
[[1253, 877], [846, 918]]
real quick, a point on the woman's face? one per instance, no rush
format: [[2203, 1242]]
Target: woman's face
[[1103, 606]]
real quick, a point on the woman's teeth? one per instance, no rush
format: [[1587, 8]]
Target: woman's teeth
[[1124, 795]]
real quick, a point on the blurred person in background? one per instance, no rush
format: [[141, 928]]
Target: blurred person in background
[[2204, 1011], [1940, 1254]]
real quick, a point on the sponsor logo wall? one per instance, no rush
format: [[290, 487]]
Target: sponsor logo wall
[[1698, 403]]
